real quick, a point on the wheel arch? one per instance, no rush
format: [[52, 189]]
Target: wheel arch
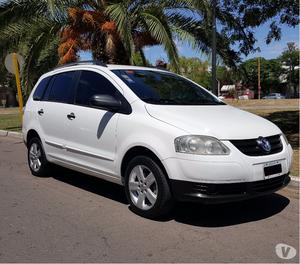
[[140, 151], [32, 133]]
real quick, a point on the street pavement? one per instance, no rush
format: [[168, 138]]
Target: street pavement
[[72, 217]]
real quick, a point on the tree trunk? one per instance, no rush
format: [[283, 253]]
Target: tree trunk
[[296, 95], [110, 48], [115, 50], [11, 100], [98, 49], [143, 57]]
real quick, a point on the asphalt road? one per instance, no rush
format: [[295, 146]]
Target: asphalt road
[[72, 217]]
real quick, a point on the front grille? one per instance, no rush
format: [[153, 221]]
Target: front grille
[[240, 188], [219, 189], [250, 147], [268, 185]]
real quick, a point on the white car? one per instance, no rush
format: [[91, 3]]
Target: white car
[[160, 135]]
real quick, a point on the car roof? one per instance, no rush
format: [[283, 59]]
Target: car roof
[[132, 67], [99, 65]]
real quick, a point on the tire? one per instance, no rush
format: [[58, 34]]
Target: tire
[[37, 161], [149, 196]]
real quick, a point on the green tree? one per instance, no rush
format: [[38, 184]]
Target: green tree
[[270, 74], [7, 80], [196, 70], [227, 76], [252, 13], [273, 71], [290, 61], [140, 60]]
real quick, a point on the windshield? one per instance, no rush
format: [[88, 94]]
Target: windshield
[[157, 87]]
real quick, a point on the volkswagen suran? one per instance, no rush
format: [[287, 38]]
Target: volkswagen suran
[[160, 135]]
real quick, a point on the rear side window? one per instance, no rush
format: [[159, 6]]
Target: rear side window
[[92, 83], [63, 88], [40, 89]]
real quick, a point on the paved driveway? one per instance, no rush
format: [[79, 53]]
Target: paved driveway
[[72, 217]]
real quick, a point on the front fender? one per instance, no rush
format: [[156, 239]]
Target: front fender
[[145, 131]]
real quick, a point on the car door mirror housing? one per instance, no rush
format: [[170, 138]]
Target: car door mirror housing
[[106, 102]]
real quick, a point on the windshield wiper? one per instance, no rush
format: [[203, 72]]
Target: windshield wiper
[[211, 103], [178, 102], [157, 101]]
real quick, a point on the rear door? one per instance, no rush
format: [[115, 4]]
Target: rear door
[[54, 113]]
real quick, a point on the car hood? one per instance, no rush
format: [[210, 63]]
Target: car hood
[[220, 121]]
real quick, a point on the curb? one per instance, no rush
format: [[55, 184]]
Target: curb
[[15, 134], [294, 183], [3, 133], [295, 179]]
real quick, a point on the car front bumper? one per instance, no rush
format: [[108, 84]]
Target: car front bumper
[[226, 192], [224, 169]]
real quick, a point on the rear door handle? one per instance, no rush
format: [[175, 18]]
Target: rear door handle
[[41, 112], [71, 116]]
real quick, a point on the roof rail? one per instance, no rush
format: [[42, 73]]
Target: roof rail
[[93, 62]]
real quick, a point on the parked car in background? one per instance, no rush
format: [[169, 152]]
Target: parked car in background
[[160, 135], [274, 96]]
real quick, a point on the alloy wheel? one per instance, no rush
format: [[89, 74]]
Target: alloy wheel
[[142, 187], [35, 155]]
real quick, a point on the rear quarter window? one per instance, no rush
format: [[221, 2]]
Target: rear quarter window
[[40, 89], [63, 88]]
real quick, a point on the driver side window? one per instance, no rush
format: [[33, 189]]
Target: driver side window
[[92, 83]]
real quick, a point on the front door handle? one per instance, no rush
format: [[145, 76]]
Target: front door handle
[[71, 116], [41, 112]]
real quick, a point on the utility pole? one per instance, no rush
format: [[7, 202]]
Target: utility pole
[[219, 87], [214, 49], [258, 77]]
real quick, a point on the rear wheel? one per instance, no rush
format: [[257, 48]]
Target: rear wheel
[[37, 161], [147, 189]]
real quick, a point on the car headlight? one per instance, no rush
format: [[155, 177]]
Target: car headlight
[[200, 145]]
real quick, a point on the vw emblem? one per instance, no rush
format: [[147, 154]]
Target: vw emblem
[[264, 144]]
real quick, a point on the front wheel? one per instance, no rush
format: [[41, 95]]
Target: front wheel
[[147, 189]]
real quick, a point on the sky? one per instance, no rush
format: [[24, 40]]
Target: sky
[[273, 50]]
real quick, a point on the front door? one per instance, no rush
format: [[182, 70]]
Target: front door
[[92, 133]]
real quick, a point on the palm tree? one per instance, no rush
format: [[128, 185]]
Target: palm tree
[[31, 28], [37, 28], [113, 30]]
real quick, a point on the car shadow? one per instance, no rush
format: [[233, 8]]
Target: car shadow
[[195, 214], [89, 183], [230, 214]]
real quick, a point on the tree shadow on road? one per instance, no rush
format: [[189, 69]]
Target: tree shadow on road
[[288, 122], [186, 213]]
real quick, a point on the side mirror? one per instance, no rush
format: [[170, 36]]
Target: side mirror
[[106, 102]]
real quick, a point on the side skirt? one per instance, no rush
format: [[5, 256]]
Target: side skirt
[[86, 170]]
